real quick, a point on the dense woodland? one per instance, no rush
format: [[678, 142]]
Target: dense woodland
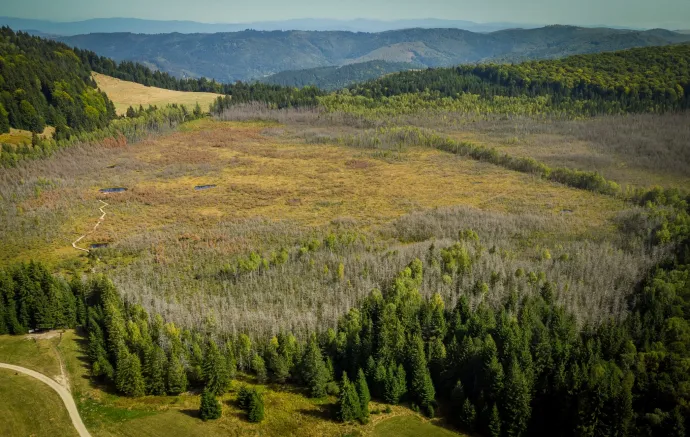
[[43, 83], [635, 80]]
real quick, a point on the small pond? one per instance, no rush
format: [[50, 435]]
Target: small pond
[[98, 245], [204, 187], [112, 190]]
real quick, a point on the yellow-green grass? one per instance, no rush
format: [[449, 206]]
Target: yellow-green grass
[[287, 411], [410, 426], [18, 136], [31, 408], [33, 353], [258, 175], [125, 94]]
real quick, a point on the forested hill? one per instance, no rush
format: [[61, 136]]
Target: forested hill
[[248, 55], [644, 79], [333, 78], [43, 83]]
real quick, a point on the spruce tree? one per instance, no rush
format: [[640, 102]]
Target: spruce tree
[[156, 364], [349, 408], [468, 415], [255, 407], [421, 386], [215, 370], [210, 408], [395, 385], [259, 367], [494, 423], [177, 378], [517, 410], [363, 394], [314, 372], [128, 378]]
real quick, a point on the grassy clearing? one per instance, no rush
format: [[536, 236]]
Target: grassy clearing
[[288, 412], [410, 426], [125, 94], [31, 408], [39, 354], [17, 136]]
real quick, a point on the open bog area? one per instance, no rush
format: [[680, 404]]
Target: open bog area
[[273, 192]]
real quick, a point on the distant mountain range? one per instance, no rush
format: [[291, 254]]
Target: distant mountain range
[[333, 78], [249, 55], [135, 25]]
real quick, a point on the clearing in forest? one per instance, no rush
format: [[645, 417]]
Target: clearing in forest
[[125, 94]]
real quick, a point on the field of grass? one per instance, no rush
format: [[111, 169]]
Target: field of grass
[[36, 354], [125, 94], [409, 426], [30, 408]]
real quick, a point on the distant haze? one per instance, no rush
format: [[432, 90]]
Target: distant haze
[[670, 14]]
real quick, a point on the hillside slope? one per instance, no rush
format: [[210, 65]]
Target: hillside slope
[[125, 94], [252, 54]]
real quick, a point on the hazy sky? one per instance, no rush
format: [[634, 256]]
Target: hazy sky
[[642, 13]]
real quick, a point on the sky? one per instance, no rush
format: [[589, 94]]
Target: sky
[[633, 13]]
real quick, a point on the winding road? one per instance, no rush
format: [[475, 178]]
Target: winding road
[[62, 391]]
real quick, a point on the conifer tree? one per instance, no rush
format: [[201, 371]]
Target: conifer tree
[[395, 385], [255, 407], [348, 406], [363, 394], [210, 408], [421, 387], [128, 378], [230, 361], [314, 372], [156, 364], [517, 399], [468, 415], [259, 367], [215, 370], [177, 378], [494, 422]]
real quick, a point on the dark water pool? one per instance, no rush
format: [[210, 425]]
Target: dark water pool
[[204, 187], [112, 190], [98, 245]]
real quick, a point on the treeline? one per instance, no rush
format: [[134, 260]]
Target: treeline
[[120, 131], [32, 298], [43, 83], [635, 80], [275, 95]]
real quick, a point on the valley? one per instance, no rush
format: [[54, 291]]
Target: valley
[[493, 249]]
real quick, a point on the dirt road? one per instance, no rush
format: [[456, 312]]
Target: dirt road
[[62, 391]]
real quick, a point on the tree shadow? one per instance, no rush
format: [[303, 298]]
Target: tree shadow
[[191, 413], [324, 412]]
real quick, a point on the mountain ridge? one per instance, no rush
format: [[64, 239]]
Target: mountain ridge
[[251, 54]]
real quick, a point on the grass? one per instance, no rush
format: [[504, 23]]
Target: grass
[[39, 355], [410, 426], [125, 94], [31, 408]]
